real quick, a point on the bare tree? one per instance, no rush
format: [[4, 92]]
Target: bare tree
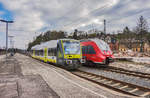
[[141, 30], [142, 26]]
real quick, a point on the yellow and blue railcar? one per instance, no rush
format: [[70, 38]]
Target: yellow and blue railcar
[[64, 52]]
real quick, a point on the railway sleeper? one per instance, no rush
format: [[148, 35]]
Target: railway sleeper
[[116, 84], [132, 74]]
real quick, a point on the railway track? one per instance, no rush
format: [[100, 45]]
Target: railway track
[[146, 76], [117, 85]]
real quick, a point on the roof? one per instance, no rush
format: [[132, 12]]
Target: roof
[[35, 47], [94, 39], [48, 44]]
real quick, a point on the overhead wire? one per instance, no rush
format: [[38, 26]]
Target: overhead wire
[[78, 19]]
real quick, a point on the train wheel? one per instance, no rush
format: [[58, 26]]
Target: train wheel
[[90, 63]]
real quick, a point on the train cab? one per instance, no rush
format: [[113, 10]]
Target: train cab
[[96, 51], [69, 53]]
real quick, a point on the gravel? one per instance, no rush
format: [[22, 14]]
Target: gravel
[[145, 68], [117, 76]]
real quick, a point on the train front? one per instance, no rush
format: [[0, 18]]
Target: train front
[[106, 51], [72, 54]]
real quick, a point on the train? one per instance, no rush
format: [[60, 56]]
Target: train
[[71, 54], [66, 53], [96, 52]]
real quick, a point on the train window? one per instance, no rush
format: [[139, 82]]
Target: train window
[[41, 52], [91, 50], [52, 52], [49, 52], [36, 52], [85, 49], [55, 52]]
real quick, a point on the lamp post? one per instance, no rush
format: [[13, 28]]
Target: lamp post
[[11, 44], [6, 33]]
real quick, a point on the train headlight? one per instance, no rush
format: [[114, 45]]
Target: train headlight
[[69, 61], [107, 53], [83, 60]]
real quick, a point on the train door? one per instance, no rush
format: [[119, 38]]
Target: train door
[[91, 53], [45, 54], [33, 51], [60, 57], [84, 51]]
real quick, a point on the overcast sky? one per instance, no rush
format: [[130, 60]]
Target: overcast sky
[[32, 16]]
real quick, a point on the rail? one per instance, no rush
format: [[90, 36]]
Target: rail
[[116, 85]]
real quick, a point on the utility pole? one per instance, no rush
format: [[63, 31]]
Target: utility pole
[[93, 28], [104, 28], [11, 43], [6, 33], [141, 37]]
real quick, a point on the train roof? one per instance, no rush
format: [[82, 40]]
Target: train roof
[[94, 39], [35, 47], [48, 44], [69, 39], [100, 43]]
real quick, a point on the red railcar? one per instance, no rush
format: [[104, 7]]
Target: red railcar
[[96, 51]]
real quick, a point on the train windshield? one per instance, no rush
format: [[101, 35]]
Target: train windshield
[[103, 45], [71, 47]]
